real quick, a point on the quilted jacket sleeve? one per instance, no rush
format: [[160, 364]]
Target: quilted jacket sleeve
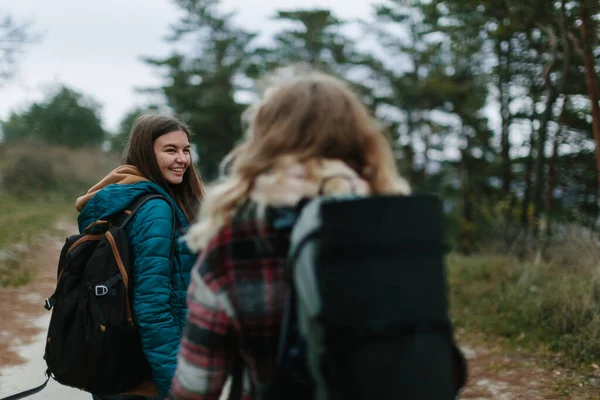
[[150, 239]]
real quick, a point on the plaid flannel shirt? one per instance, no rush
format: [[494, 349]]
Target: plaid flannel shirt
[[235, 307]]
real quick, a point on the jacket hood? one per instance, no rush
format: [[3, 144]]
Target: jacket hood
[[125, 174], [115, 193], [287, 184]]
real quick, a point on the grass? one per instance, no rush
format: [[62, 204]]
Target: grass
[[12, 274], [553, 306], [21, 226], [21, 220]]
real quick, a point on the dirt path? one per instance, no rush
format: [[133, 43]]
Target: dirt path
[[495, 372], [24, 324], [23, 304]]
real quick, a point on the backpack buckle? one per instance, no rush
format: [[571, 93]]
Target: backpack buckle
[[101, 290], [47, 304]]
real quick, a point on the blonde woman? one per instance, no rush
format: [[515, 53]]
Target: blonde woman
[[309, 130]]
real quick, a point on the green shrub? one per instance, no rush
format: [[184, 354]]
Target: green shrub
[[52, 172], [29, 175]]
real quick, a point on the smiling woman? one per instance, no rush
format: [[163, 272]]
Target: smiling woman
[[154, 139], [173, 156], [158, 162]]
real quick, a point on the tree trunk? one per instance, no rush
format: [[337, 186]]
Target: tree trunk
[[466, 220], [552, 178], [539, 183], [525, 218], [504, 88], [426, 142], [597, 208], [558, 136], [587, 30], [410, 150], [551, 96], [409, 158]]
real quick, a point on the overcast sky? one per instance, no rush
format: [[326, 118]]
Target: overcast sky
[[94, 46]]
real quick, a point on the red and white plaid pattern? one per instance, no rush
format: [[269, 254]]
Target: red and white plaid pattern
[[235, 306]]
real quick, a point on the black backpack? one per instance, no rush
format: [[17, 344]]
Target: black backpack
[[367, 315], [93, 342]]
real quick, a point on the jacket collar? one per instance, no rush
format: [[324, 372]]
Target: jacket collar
[[289, 182]]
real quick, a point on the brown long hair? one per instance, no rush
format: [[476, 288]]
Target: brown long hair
[[311, 117], [139, 151]]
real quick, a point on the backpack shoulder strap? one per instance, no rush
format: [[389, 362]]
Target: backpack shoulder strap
[[140, 201]]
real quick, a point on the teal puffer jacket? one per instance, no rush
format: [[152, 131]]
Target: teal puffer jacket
[[159, 291]]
